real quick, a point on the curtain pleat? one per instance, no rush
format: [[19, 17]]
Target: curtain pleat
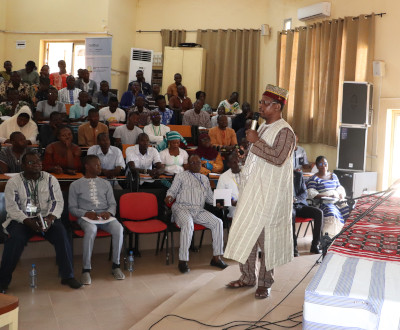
[[172, 38], [312, 64], [232, 64]]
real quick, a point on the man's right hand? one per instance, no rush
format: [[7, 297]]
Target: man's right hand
[[92, 215], [33, 223]]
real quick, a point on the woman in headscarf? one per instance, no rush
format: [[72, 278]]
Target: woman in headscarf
[[20, 122], [211, 160], [174, 158]]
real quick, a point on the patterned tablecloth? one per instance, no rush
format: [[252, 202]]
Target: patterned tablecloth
[[358, 284]]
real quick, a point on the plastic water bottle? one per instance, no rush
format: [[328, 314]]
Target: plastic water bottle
[[33, 277], [130, 261]]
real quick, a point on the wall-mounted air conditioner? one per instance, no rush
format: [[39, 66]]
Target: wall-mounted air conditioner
[[318, 10], [141, 59]]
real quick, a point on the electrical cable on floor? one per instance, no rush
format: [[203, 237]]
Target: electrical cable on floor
[[259, 324]]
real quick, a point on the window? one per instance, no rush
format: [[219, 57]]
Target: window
[[72, 52]]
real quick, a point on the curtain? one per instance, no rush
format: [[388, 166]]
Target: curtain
[[232, 64], [172, 38], [313, 62]]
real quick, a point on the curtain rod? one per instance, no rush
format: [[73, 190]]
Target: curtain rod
[[225, 30], [332, 20]]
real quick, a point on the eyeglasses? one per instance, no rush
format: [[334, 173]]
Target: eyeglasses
[[322, 163], [266, 103], [34, 162]]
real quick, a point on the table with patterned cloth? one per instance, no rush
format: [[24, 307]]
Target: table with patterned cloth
[[357, 286]]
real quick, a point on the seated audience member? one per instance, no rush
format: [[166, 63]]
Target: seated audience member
[[20, 122], [145, 87], [13, 103], [11, 157], [112, 113], [174, 158], [23, 222], [231, 180], [128, 133], [211, 160], [29, 75], [92, 197], [222, 136], [6, 74], [111, 159], [59, 79], [87, 132], [156, 131], [231, 105], [48, 132], [326, 184], [241, 133], [300, 160], [201, 96], [42, 93], [24, 89], [144, 160], [167, 115], [180, 102], [144, 113], [1, 79], [86, 84], [172, 89], [301, 209], [151, 99], [44, 72], [101, 97], [196, 117], [62, 156], [190, 190], [79, 77], [128, 99], [240, 120], [69, 94], [47, 107], [220, 112], [80, 110]]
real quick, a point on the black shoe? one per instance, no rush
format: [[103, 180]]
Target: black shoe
[[71, 282], [183, 267], [315, 249], [296, 252], [220, 263]]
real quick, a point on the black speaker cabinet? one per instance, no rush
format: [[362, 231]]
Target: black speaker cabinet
[[357, 103], [352, 148]]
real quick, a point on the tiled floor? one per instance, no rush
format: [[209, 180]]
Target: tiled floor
[[110, 304]]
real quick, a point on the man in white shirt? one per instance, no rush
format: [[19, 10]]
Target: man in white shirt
[[128, 134], [112, 113], [197, 117], [156, 131], [69, 94], [231, 180], [220, 112], [111, 159], [142, 159]]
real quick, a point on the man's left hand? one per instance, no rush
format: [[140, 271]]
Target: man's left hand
[[105, 215], [252, 136], [49, 220]]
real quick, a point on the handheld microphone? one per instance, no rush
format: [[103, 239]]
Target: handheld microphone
[[254, 122]]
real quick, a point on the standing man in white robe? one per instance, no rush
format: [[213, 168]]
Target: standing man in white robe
[[263, 219]]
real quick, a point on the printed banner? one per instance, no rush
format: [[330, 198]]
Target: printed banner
[[98, 59]]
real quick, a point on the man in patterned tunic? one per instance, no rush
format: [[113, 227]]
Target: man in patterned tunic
[[263, 218]]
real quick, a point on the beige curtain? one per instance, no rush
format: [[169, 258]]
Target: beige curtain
[[172, 38], [313, 62], [232, 64]]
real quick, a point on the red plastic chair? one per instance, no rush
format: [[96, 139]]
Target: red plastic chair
[[304, 220], [138, 212], [79, 233]]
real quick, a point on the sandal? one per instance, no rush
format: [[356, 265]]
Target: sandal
[[262, 292], [237, 284]]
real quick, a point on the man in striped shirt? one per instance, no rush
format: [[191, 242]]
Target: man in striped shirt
[[191, 190]]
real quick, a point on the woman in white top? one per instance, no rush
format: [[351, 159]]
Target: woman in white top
[[156, 131], [21, 122], [174, 158]]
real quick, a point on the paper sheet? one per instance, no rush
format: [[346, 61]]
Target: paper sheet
[[225, 194], [99, 222]]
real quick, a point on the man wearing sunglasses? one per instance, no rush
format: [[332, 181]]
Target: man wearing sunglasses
[[263, 217]]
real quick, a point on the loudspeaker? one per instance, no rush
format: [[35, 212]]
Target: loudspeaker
[[352, 148], [357, 103]]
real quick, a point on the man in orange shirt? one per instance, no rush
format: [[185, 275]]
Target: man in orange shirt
[[172, 89], [222, 136], [87, 133]]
